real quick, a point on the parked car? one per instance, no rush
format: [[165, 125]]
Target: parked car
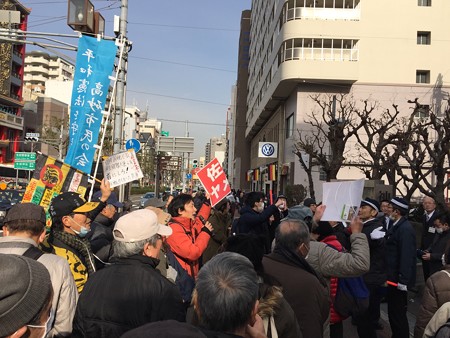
[[145, 197]]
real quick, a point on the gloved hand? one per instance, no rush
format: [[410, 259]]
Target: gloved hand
[[377, 233], [402, 287]]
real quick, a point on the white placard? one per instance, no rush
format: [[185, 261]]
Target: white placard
[[122, 168], [342, 200]]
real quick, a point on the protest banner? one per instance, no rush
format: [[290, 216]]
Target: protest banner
[[51, 177], [342, 200], [122, 168], [95, 61], [214, 181]]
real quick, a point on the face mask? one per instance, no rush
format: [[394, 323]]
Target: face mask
[[83, 230], [42, 327], [439, 230]]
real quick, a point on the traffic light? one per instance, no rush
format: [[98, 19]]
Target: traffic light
[[194, 163], [32, 137]]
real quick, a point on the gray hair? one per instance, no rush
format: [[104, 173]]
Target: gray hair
[[290, 234], [227, 290], [127, 249]]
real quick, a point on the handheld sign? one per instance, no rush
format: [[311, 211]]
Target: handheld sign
[[214, 181]]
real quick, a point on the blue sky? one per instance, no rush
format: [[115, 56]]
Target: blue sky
[[184, 52]]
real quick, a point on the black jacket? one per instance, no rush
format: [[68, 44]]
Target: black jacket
[[252, 222], [123, 296], [101, 236], [377, 271], [428, 231], [437, 249], [401, 253]]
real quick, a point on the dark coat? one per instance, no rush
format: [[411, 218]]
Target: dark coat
[[220, 222], [437, 249], [307, 296], [401, 253], [252, 222], [101, 236], [342, 235], [123, 296], [377, 272], [428, 231]]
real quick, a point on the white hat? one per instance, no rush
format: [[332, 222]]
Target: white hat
[[139, 225]]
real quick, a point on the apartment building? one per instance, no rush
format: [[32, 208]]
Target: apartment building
[[41, 67], [385, 51]]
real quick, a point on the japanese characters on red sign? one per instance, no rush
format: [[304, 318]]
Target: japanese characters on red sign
[[214, 181]]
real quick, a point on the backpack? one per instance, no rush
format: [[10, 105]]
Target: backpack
[[443, 331], [352, 295], [184, 282]]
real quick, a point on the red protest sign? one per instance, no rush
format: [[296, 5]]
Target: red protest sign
[[214, 181]]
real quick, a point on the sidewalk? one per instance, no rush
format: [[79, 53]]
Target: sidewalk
[[413, 308]]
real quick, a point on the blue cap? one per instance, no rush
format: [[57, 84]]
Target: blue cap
[[112, 199]]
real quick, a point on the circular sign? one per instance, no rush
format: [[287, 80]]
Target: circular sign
[[51, 175], [267, 149]]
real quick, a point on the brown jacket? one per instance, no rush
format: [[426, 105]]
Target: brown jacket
[[436, 293], [307, 296]]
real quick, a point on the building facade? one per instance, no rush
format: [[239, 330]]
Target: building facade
[[12, 58], [41, 67], [303, 48]]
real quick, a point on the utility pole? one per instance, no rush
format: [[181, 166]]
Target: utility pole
[[120, 94]]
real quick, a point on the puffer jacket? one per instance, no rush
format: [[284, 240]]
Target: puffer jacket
[[272, 303], [334, 316], [125, 295], [188, 241], [436, 293]]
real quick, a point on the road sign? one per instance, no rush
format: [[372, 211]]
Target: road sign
[[188, 176], [164, 133], [133, 143], [170, 163], [176, 144], [25, 161]]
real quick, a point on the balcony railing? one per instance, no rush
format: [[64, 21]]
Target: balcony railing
[[323, 54], [323, 13]]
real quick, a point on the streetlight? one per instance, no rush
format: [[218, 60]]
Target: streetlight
[[81, 16]]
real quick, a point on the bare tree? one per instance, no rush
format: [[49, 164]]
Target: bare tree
[[329, 130], [428, 155]]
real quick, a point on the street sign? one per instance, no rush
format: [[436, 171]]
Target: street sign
[[25, 161], [133, 143], [164, 133], [176, 144], [170, 163], [188, 176]]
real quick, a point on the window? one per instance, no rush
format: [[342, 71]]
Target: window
[[422, 76], [426, 3], [422, 111], [423, 38], [290, 126]]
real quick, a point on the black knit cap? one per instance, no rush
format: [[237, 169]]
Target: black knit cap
[[25, 287]]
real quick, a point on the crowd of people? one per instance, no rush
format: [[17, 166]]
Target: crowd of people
[[241, 268]]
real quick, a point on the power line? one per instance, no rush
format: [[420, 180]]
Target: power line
[[182, 64], [178, 98]]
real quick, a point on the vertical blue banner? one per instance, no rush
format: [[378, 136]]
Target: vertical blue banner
[[95, 61]]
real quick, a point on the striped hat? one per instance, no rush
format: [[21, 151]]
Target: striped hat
[[400, 203]]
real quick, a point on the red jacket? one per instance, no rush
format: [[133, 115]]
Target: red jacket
[[334, 316], [187, 241]]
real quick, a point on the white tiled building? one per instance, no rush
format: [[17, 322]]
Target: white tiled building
[[384, 51]]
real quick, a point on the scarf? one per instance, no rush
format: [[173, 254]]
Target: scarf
[[295, 259], [82, 245]]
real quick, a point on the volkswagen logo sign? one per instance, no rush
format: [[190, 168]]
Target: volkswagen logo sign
[[267, 149]]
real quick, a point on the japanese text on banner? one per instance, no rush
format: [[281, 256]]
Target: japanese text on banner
[[214, 181], [95, 60]]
